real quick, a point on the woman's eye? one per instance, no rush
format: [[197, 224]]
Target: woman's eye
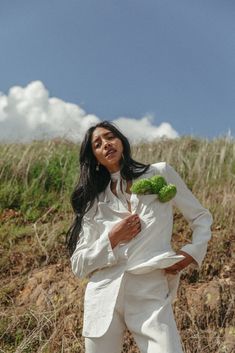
[[97, 145]]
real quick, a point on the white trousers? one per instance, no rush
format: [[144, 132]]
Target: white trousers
[[144, 307]]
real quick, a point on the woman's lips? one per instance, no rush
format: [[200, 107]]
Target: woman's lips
[[110, 153]]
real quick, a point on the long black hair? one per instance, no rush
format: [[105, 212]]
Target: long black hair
[[92, 182]]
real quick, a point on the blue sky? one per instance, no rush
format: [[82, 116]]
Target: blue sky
[[173, 60]]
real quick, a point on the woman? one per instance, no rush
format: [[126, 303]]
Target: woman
[[122, 242]]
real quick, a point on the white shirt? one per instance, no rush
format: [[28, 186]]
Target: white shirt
[[94, 249]]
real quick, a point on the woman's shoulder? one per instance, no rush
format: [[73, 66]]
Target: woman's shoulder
[[154, 169], [157, 168]]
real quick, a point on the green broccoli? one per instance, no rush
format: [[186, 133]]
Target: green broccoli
[[143, 187], [155, 185], [157, 182], [167, 193]]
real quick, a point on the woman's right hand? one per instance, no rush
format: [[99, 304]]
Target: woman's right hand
[[125, 230]]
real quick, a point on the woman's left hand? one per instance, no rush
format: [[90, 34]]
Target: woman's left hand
[[179, 266]]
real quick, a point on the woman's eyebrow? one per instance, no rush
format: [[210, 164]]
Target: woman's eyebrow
[[98, 137]]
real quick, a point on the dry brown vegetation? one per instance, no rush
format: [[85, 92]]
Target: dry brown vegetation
[[41, 300]]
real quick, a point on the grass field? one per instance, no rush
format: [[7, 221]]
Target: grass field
[[41, 300]]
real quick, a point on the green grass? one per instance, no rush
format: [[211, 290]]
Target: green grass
[[36, 176]]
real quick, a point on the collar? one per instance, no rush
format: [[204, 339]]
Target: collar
[[115, 176]]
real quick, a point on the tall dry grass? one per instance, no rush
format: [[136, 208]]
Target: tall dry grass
[[41, 301]]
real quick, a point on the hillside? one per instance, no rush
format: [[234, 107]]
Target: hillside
[[41, 300]]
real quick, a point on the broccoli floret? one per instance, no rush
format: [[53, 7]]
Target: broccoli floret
[[143, 186], [167, 193], [157, 182], [155, 185]]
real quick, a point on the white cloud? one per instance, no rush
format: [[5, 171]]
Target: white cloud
[[28, 113], [143, 129]]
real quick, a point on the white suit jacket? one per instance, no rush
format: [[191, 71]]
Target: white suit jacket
[[150, 249]]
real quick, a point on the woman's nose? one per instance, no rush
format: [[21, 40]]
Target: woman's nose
[[107, 144]]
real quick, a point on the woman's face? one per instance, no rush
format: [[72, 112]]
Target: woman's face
[[107, 148]]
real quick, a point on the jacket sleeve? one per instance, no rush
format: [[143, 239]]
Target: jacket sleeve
[[93, 250], [199, 218]]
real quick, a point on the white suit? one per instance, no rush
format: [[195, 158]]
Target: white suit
[[149, 250]]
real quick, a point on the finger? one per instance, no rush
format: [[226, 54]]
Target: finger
[[172, 272], [134, 216], [138, 225], [133, 223], [130, 221], [134, 228], [137, 230], [173, 268]]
